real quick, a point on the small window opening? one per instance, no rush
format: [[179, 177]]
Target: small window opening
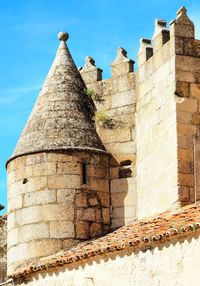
[[125, 173], [125, 163], [25, 180], [86, 173]]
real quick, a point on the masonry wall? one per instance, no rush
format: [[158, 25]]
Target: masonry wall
[[51, 208], [115, 100], [175, 264], [3, 248], [156, 127], [188, 112]]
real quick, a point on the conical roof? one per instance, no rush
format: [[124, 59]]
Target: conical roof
[[62, 116]]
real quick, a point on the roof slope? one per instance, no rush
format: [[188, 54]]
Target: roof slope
[[139, 235], [62, 115]]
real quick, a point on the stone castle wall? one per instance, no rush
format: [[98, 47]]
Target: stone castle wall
[[51, 208], [3, 248], [187, 68], [115, 100], [156, 125]]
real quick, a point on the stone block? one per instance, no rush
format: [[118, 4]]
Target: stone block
[[92, 201], [182, 89], [81, 200], [121, 148], [15, 203], [82, 230], [54, 212], [13, 237], [116, 159], [95, 229], [11, 221], [185, 167], [17, 253], [44, 169], [186, 179], [86, 214], [114, 173], [122, 82], [62, 229], [117, 222], [184, 194], [23, 172], [33, 232], [106, 216], [36, 158], [184, 117], [115, 135], [104, 198], [186, 129], [57, 157], [34, 184], [43, 247], [122, 212], [64, 181], [123, 185], [39, 198], [99, 171], [195, 90], [187, 105], [124, 199], [11, 178], [123, 98], [30, 215], [101, 185], [185, 76], [65, 196], [185, 155], [69, 167]]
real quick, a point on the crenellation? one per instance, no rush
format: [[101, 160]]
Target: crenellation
[[161, 34], [145, 51], [90, 73], [121, 65]]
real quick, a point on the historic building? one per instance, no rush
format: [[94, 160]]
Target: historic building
[[103, 185]]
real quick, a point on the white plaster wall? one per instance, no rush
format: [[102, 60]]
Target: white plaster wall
[[176, 264]]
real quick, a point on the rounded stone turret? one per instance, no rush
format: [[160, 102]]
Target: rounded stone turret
[[58, 174]]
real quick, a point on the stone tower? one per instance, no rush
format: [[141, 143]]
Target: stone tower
[[58, 174], [168, 118]]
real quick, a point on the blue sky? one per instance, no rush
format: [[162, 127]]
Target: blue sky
[[29, 42]]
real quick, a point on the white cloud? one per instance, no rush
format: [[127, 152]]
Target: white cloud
[[12, 95]]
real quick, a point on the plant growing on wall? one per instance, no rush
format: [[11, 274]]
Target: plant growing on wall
[[94, 96], [102, 119]]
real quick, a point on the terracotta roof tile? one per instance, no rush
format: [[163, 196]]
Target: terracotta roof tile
[[140, 235]]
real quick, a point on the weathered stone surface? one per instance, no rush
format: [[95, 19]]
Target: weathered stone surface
[[54, 212], [82, 229], [62, 229], [95, 229], [33, 232], [64, 181], [3, 248], [87, 214], [39, 198], [31, 215], [63, 90]]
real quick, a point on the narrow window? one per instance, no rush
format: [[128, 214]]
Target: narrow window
[[86, 173]]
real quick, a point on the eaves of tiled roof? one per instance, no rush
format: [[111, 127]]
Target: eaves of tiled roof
[[139, 235]]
